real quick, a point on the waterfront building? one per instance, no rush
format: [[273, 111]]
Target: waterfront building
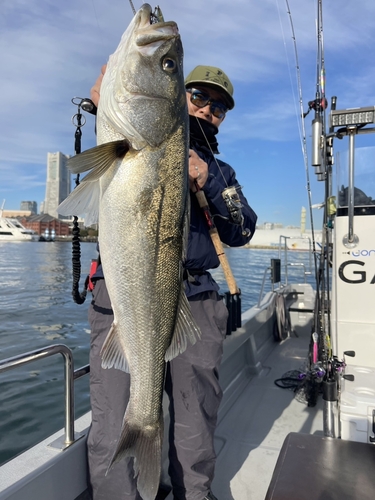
[[58, 183], [45, 223], [30, 206], [16, 213]]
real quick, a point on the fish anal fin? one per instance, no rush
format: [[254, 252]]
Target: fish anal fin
[[185, 329], [112, 352]]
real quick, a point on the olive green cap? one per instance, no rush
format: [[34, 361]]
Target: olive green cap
[[211, 76]]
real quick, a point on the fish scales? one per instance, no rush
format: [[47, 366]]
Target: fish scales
[[137, 188]]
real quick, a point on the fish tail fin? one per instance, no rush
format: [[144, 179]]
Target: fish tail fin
[[145, 445]]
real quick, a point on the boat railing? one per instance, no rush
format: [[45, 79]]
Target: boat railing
[[69, 376], [276, 264], [266, 271], [283, 248]]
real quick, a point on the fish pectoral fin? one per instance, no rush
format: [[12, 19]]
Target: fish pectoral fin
[[185, 329], [84, 200], [112, 352], [99, 158]]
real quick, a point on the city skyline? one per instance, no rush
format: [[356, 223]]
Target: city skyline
[[32, 206], [261, 138], [57, 187], [57, 183]]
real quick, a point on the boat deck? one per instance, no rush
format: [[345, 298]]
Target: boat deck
[[253, 426], [251, 435]]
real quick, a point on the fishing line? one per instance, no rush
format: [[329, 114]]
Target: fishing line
[[229, 193], [132, 6], [318, 317], [301, 132], [302, 128], [96, 16], [209, 146]]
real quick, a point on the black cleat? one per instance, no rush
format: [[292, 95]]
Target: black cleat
[[209, 496]]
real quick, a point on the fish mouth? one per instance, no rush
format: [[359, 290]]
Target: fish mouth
[[152, 27]]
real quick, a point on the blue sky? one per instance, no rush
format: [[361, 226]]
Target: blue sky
[[51, 51]]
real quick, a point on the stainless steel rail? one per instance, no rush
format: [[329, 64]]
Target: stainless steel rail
[[283, 246], [351, 240], [351, 235], [268, 269], [69, 376]]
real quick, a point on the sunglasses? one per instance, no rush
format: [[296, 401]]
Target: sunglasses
[[201, 99]]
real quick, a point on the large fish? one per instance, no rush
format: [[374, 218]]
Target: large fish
[[137, 188]]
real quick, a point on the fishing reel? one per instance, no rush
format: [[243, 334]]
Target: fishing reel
[[234, 207], [317, 105]]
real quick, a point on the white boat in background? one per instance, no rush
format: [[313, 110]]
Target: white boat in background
[[11, 229]]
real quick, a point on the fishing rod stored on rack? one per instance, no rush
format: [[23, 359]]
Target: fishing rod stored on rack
[[320, 353]]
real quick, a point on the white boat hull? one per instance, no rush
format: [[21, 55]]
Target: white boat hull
[[13, 230], [254, 418]]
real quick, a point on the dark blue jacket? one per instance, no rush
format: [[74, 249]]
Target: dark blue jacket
[[201, 254]]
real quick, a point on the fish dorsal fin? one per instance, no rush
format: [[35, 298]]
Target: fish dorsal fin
[[185, 329], [99, 158], [84, 199], [112, 352]]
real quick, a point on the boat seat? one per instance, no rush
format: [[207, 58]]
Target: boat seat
[[319, 468]]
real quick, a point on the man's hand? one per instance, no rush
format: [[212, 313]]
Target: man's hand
[[198, 170], [95, 91]]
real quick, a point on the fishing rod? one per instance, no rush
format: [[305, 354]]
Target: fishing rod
[[303, 137], [234, 206], [229, 194], [233, 297], [320, 363], [322, 163], [203, 203]]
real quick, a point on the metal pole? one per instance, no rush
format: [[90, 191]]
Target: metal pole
[[352, 132], [45, 352]]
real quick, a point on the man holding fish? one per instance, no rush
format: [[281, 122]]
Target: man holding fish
[[145, 334]]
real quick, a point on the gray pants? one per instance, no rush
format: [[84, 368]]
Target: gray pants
[[194, 392]]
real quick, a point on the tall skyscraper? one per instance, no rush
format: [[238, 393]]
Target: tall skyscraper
[[58, 183], [29, 205]]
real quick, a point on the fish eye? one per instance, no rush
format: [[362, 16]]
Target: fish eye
[[169, 64]]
